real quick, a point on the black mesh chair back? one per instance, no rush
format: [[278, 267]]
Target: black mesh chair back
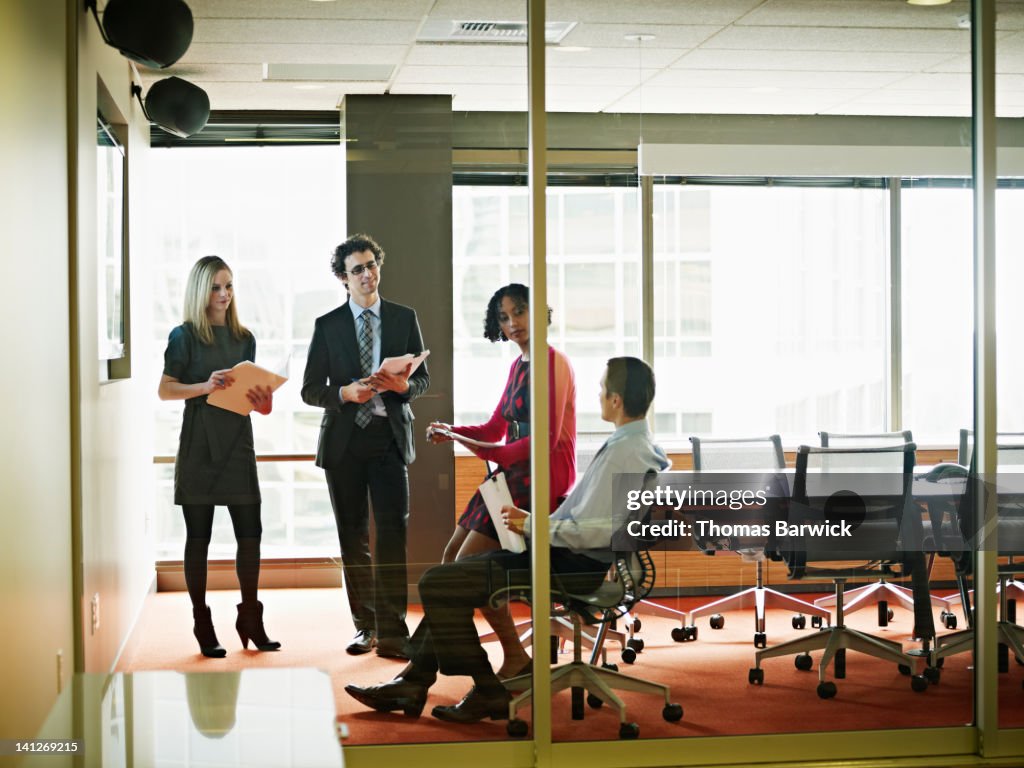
[[756, 453], [871, 486]]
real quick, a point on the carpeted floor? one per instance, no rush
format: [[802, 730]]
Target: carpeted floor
[[708, 677]]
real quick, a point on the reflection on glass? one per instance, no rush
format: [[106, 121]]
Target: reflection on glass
[[212, 701], [259, 717]]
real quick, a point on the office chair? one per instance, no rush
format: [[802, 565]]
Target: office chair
[[877, 503], [631, 577], [882, 592], [1010, 542], [758, 454], [1009, 453], [562, 628]]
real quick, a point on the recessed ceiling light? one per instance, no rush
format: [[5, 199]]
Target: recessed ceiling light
[[928, 2], [641, 37]]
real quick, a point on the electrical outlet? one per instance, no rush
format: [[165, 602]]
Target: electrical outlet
[[95, 603]]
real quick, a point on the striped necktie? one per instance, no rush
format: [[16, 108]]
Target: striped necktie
[[365, 410]]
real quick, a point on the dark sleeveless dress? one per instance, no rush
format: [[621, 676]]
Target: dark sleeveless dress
[[515, 407]]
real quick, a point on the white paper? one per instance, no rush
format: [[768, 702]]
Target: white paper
[[495, 493], [396, 365], [246, 375]]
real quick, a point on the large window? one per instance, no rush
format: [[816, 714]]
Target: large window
[[938, 303], [770, 310], [593, 286], [274, 215]]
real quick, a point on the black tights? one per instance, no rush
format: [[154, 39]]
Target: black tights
[[245, 519]]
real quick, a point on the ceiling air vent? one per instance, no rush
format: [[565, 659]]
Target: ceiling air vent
[[444, 31]]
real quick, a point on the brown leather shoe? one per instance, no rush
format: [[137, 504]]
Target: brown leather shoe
[[393, 648], [363, 642], [475, 706], [387, 697]]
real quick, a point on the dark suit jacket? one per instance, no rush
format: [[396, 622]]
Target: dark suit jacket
[[333, 362]]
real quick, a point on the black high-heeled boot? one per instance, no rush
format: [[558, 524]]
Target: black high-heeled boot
[[203, 630], [250, 627]]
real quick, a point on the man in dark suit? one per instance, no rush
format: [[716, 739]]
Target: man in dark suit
[[366, 439]]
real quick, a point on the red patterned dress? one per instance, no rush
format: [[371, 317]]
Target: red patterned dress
[[510, 422]]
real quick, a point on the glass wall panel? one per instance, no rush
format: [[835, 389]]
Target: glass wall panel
[[772, 314], [1009, 360]]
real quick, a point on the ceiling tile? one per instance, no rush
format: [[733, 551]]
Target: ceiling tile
[[856, 13], [811, 61], [614, 35], [200, 53], [304, 9], [777, 79], [869, 41], [329, 31]]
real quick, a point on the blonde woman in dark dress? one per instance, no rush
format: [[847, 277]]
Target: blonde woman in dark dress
[[216, 461]]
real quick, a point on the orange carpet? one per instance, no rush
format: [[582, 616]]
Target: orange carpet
[[708, 677]]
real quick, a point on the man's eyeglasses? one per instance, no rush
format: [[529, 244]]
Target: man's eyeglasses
[[357, 270]]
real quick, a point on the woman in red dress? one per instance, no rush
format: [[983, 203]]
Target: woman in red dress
[[507, 319]]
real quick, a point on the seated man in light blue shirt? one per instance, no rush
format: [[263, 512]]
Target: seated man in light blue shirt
[[446, 640]]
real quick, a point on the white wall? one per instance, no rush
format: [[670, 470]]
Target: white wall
[[115, 436]]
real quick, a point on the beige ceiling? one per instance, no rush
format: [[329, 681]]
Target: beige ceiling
[[852, 57]]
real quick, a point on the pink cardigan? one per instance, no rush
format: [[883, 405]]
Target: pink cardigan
[[562, 433]]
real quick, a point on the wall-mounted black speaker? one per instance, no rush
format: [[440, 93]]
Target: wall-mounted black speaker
[[178, 106], [155, 33]]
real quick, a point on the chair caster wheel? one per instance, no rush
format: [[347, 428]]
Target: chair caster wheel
[[612, 667], [637, 624], [594, 702], [635, 643], [799, 622], [683, 634], [803, 662], [717, 621], [755, 676], [629, 731], [826, 690], [932, 675], [918, 683], [948, 619], [760, 640], [904, 669], [628, 655], [672, 713], [816, 622], [885, 614], [517, 728]]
